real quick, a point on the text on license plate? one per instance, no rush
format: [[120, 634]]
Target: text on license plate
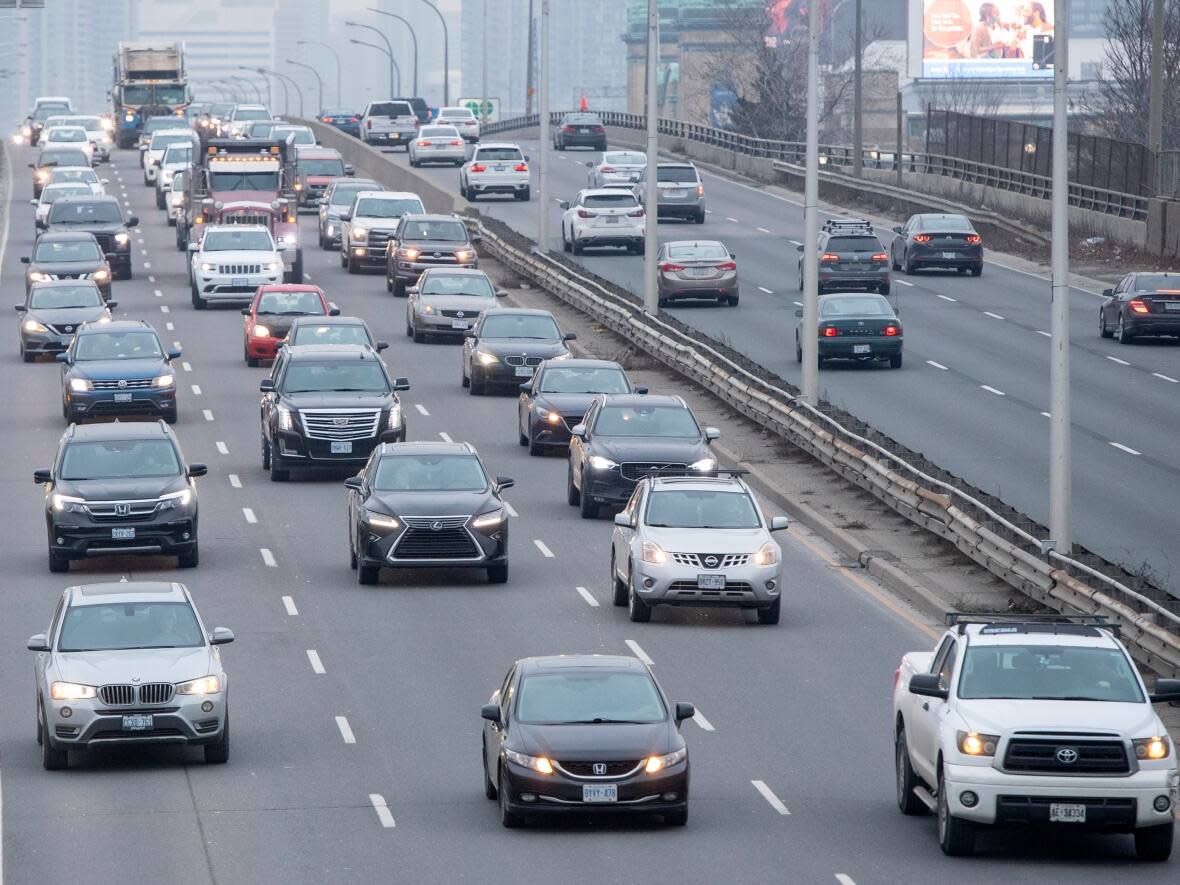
[[460, 324], [698, 272], [123, 397], [600, 792], [1060, 812], [138, 722], [1172, 305], [524, 371], [861, 348], [239, 281], [122, 534], [950, 255], [711, 582], [612, 219], [341, 447], [499, 168]]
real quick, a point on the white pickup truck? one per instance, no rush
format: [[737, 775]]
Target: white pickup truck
[[389, 122], [1028, 721]]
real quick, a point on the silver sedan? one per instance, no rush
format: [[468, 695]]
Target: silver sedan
[[616, 169], [129, 663], [697, 269], [438, 144], [447, 301]]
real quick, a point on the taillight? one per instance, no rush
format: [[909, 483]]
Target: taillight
[[974, 239], [597, 129], [582, 213], [668, 267], [325, 119], [479, 167], [368, 124], [1138, 306], [921, 238], [831, 331], [637, 213], [892, 331], [829, 256], [520, 167], [567, 129], [605, 169], [727, 265], [700, 190], [354, 120], [456, 141], [880, 256], [425, 143]]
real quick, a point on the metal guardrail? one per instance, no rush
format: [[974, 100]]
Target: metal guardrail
[[977, 530], [841, 156]]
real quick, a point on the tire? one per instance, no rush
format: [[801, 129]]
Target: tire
[[907, 802], [190, 558], [977, 271], [908, 266], [217, 753], [489, 789], [522, 439], [637, 610], [171, 417], [895, 361], [26, 356], [159, 199], [351, 265], [352, 563], [476, 388], [731, 301], [296, 274], [388, 284], [565, 244], [367, 574], [498, 573], [883, 289], [677, 818], [526, 195], [893, 265], [58, 563], [573, 496], [956, 837], [1121, 334], [399, 289], [199, 303], [464, 381], [588, 507], [1154, 843], [508, 818], [52, 758], [343, 254], [278, 474], [770, 615], [1103, 330], [265, 455], [535, 448], [576, 247], [419, 337], [618, 585], [700, 219]]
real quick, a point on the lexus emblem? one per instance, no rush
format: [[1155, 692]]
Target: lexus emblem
[[712, 561], [599, 768], [340, 422], [1067, 755], [436, 526], [122, 383], [122, 509]]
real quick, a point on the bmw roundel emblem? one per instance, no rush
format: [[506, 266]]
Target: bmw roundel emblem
[[1067, 755]]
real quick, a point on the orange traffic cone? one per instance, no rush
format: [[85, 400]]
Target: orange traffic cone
[[585, 105]]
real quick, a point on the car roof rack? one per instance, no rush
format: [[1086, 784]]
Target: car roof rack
[[1016, 622], [847, 225]]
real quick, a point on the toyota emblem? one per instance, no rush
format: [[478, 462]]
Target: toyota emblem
[[438, 255], [122, 383], [340, 422], [1067, 755], [436, 526], [122, 509], [712, 561], [599, 768]]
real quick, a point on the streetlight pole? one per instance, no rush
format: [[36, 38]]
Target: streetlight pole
[[447, 51], [394, 70], [413, 41], [857, 94], [1155, 106], [260, 72], [483, 76], [293, 82], [1060, 472], [809, 331], [543, 174], [651, 299], [286, 93], [529, 72], [319, 80], [335, 55], [388, 50]]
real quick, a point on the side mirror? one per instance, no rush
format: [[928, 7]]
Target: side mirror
[[527, 387], [221, 636], [565, 204], [245, 311], [37, 642], [1108, 293], [132, 220], [33, 202], [413, 290], [799, 248], [569, 336], [622, 519], [32, 165], [504, 482], [641, 391], [195, 470], [712, 433], [684, 711], [382, 345], [111, 305], [470, 333], [476, 239], [42, 476], [333, 311], [733, 255], [20, 308], [779, 523], [589, 164], [897, 230], [799, 312], [354, 482], [927, 685], [346, 216], [1165, 690], [500, 293], [282, 342], [40, 224], [174, 353], [526, 158], [578, 430], [24, 259], [193, 247], [490, 712], [266, 385], [64, 358], [349, 170], [401, 383]]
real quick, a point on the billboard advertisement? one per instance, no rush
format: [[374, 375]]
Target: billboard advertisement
[[987, 39]]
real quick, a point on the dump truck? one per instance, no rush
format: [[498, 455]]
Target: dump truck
[[149, 81]]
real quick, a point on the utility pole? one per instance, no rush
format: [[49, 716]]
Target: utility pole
[[543, 172], [1155, 107], [809, 331], [483, 77], [530, 73], [1060, 473], [858, 95], [651, 196]]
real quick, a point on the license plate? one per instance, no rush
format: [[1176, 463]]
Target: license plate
[[122, 397], [950, 255], [861, 348], [239, 281], [341, 447], [499, 168], [600, 792], [122, 534], [1172, 305], [710, 582], [138, 722], [524, 371], [612, 219], [698, 272], [460, 324], [1062, 813], [673, 192]]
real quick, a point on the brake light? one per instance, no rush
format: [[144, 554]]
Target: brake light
[[974, 239], [880, 256], [520, 167], [597, 129], [669, 267], [921, 238], [892, 331], [727, 265], [325, 119], [1139, 306], [637, 213], [567, 128], [354, 120], [478, 167], [831, 332], [606, 169], [829, 256], [425, 143], [700, 190], [582, 213], [456, 141]]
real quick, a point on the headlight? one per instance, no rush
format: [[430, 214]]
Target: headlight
[[26, 131], [80, 385], [274, 267], [536, 763], [331, 230], [428, 308], [42, 175], [164, 380], [72, 691], [1152, 748], [285, 420], [359, 233], [486, 359], [654, 553], [122, 238], [204, 685], [260, 331], [409, 254], [767, 554], [208, 267], [33, 326], [489, 520], [36, 276], [101, 275], [560, 357], [597, 462], [176, 499], [66, 504], [554, 418], [464, 255], [380, 521], [395, 416], [704, 465], [289, 239], [659, 763], [166, 176], [972, 743]]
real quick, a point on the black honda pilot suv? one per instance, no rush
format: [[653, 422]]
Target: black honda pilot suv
[[103, 217]]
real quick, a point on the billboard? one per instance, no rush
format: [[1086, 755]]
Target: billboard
[[987, 39]]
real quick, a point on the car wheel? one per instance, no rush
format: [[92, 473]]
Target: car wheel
[[26, 356], [489, 788], [1121, 333], [199, 303], [895, 361], [572, 495], [893, 265], [565, 244], [798, 350], [700, 219], [618, 585], [171, 417], [419, 337], [677, 818], [588, 507], [190, 558], [534, 447], [1154, 843], [159, 199], [576, 247], [1103, 330], [352, 546], [477, 387], [509, 818], [770, 614], [388, 284], [351, 265], [58, 563], [278, 474], [908, 267], [265, 454], [464, 381], [217, 753], [521, 438], [637, 610], [907, 802], [731, 300], [399, 289], [526, 195], [52, 758], [977, 271], [498, 573], [800, 276], [883, 288], [956, 837], [367, 574]]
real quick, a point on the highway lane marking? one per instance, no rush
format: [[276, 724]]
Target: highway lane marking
[[289, 605], [794, 242], [176, 344], [844, 879], [764, 289], [545, 551], [1115, 359], [762, 230], [421, 409], [994, 316], [249, 514], [383, 813], [317, 666], [588, 596], [222, 447], [937, 365], [268, 557], [235, 481], [169, 327], [1165, 378], [1045, 334], [699, 718], [151, 279], [768, 794], [445, 436], [1127, 449], [208, 413], [990, 389], [188, 367], [144, 251], [345, 730], [904, 283], [147, 265], [734, 220], [639, 652], [139, 240], [708, 211], [196, 390], [511, 510], [164, 308], [945, 297], [159, 293], [3, 248], [798, 303], [1047, 414]]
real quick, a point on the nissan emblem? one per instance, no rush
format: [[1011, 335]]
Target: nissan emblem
[[712, 561]]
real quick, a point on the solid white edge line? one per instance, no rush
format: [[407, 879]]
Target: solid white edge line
[[317, 666], [421, 409], [545, 551], [639, 652], [992, 390], [511, 510], [345, 730], [1127, 449], [235, 480], [904, 283], [383, 813], [699, 718], [768, 794], [446, 437], [588, 596], [937, 365], [222, 448], [249, 514], [289, 605], [268, 557], [7, 217]]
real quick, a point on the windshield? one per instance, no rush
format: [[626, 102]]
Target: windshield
[[1157, 282], [679, 174], [321, 167], [689, 509], [588, 696], [244, 181], [624, 158], [1048, 673], [335, 375], [138, 345], [52, 194], [483, 155], [456, 114], [120, 459], [85, 175], [520, 325], [262, 130], [178, 154], [128, 625], [446, 231], [380, 207], [562, 379], [63, 134], [697, 252], [390, 109], [619, 200], [672, 422], [955, 224], [46, 111], [291, 303], [163, 139], [856, 306], [336, 333], [429, 473], [141, 95], [235, 240], [241, 114], [475, 285], [64, 157], [62, 297], [67, 250], [104, 212], [438, 132]]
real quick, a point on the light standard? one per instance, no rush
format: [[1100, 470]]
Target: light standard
[[394, 70], [446, 54], [413, 41], [264, 80], [388, 51], [286, 94], [335, 55], [292, 81], [254, 86], [318, 78]]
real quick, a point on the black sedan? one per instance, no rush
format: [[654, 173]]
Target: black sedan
[[580, 129], [584, 734], [1141, 304], [67, 256], [507, 346], [52, 312], [393, 507], [624, 438], [855, 326], [934, 240], [557, 397]]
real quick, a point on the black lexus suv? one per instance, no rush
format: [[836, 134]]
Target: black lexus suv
[[119, 489], [328, 406], [103, 217], [427, 505]]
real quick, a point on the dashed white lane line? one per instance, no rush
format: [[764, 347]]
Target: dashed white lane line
[[159, 293], [992, 390], [762, 230], [267, 557], [798, 303], [289, 605], [511, 510], [151, 279], [188, 367], [317, 666], [222, 448], [545, 551], [794, 242], [904, 283], [421, 409], [1044, 334], [994, 316], [764, 289], [588, 596], [235, 481], [176, 344], [768, 794], [945, 297], [139, 240], [734, 220], [196, 390], [383, 813], [169, 327], [208, 413], [1127, 449], [1115, 359], [164, 308], [1047, 414], [699, 718], [936, 365], [708, 211], [1165, 378], [147, 264], [345, 730], [446, 437], [639, 652], [844, 879], [249, 514]]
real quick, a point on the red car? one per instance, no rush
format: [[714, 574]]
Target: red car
[[270, 314]]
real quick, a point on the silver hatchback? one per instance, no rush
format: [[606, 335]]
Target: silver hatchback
[[129, 663]]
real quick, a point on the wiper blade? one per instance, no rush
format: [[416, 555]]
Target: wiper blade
[[602, 721]]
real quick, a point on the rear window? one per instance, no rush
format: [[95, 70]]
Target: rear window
[[624, 158], [104, 212], [456, 114], [862, 306], [854, 244], [676, 173], [583, 120], [954, 224], [610, 201], [162, 140], [504, 153], [1157, 282], [63, 157], [391, 109], [697, 252], [438, 132]]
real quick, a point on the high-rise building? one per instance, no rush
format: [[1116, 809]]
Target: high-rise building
[[304, 20]]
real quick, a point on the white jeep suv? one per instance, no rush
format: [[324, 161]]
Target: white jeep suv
[[231, 261]]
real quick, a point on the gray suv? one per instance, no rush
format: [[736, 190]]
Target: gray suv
[[850, 257], [681, 191], [129, 663]]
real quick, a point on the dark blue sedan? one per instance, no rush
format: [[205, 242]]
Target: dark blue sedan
[[344, 119], [116, 369]]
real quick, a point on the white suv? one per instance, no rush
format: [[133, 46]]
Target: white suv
[[1026, 721], [603, 217], [156, 147], [231, 261], [367, 226], [495, 169]]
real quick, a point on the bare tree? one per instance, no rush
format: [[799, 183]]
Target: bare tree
[[963, 95]]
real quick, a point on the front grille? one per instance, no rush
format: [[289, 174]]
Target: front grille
[[156, 692], [437, 537], [239, 268], [711, 560], [340, 423], [63, 329], [126, 695], [690, 588], [120, 511], [636, 470], [468, 314], [613, 769], [112, 735], [572, 421], [429, 522], [117, 695], [246, 218], [378, 240], [106, 242], [124, 384], [523, 360], [436, 258], [1040, 755]]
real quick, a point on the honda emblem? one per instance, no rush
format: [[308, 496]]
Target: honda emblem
[[122, 509], [599, 768]]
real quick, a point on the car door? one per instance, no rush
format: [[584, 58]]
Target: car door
[[624, 537], [494, 733], [44, 658], [578, 447], [270, 398], [1123, 293], [929, 713]]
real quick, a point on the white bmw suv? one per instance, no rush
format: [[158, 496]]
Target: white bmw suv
[[231, 261]]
